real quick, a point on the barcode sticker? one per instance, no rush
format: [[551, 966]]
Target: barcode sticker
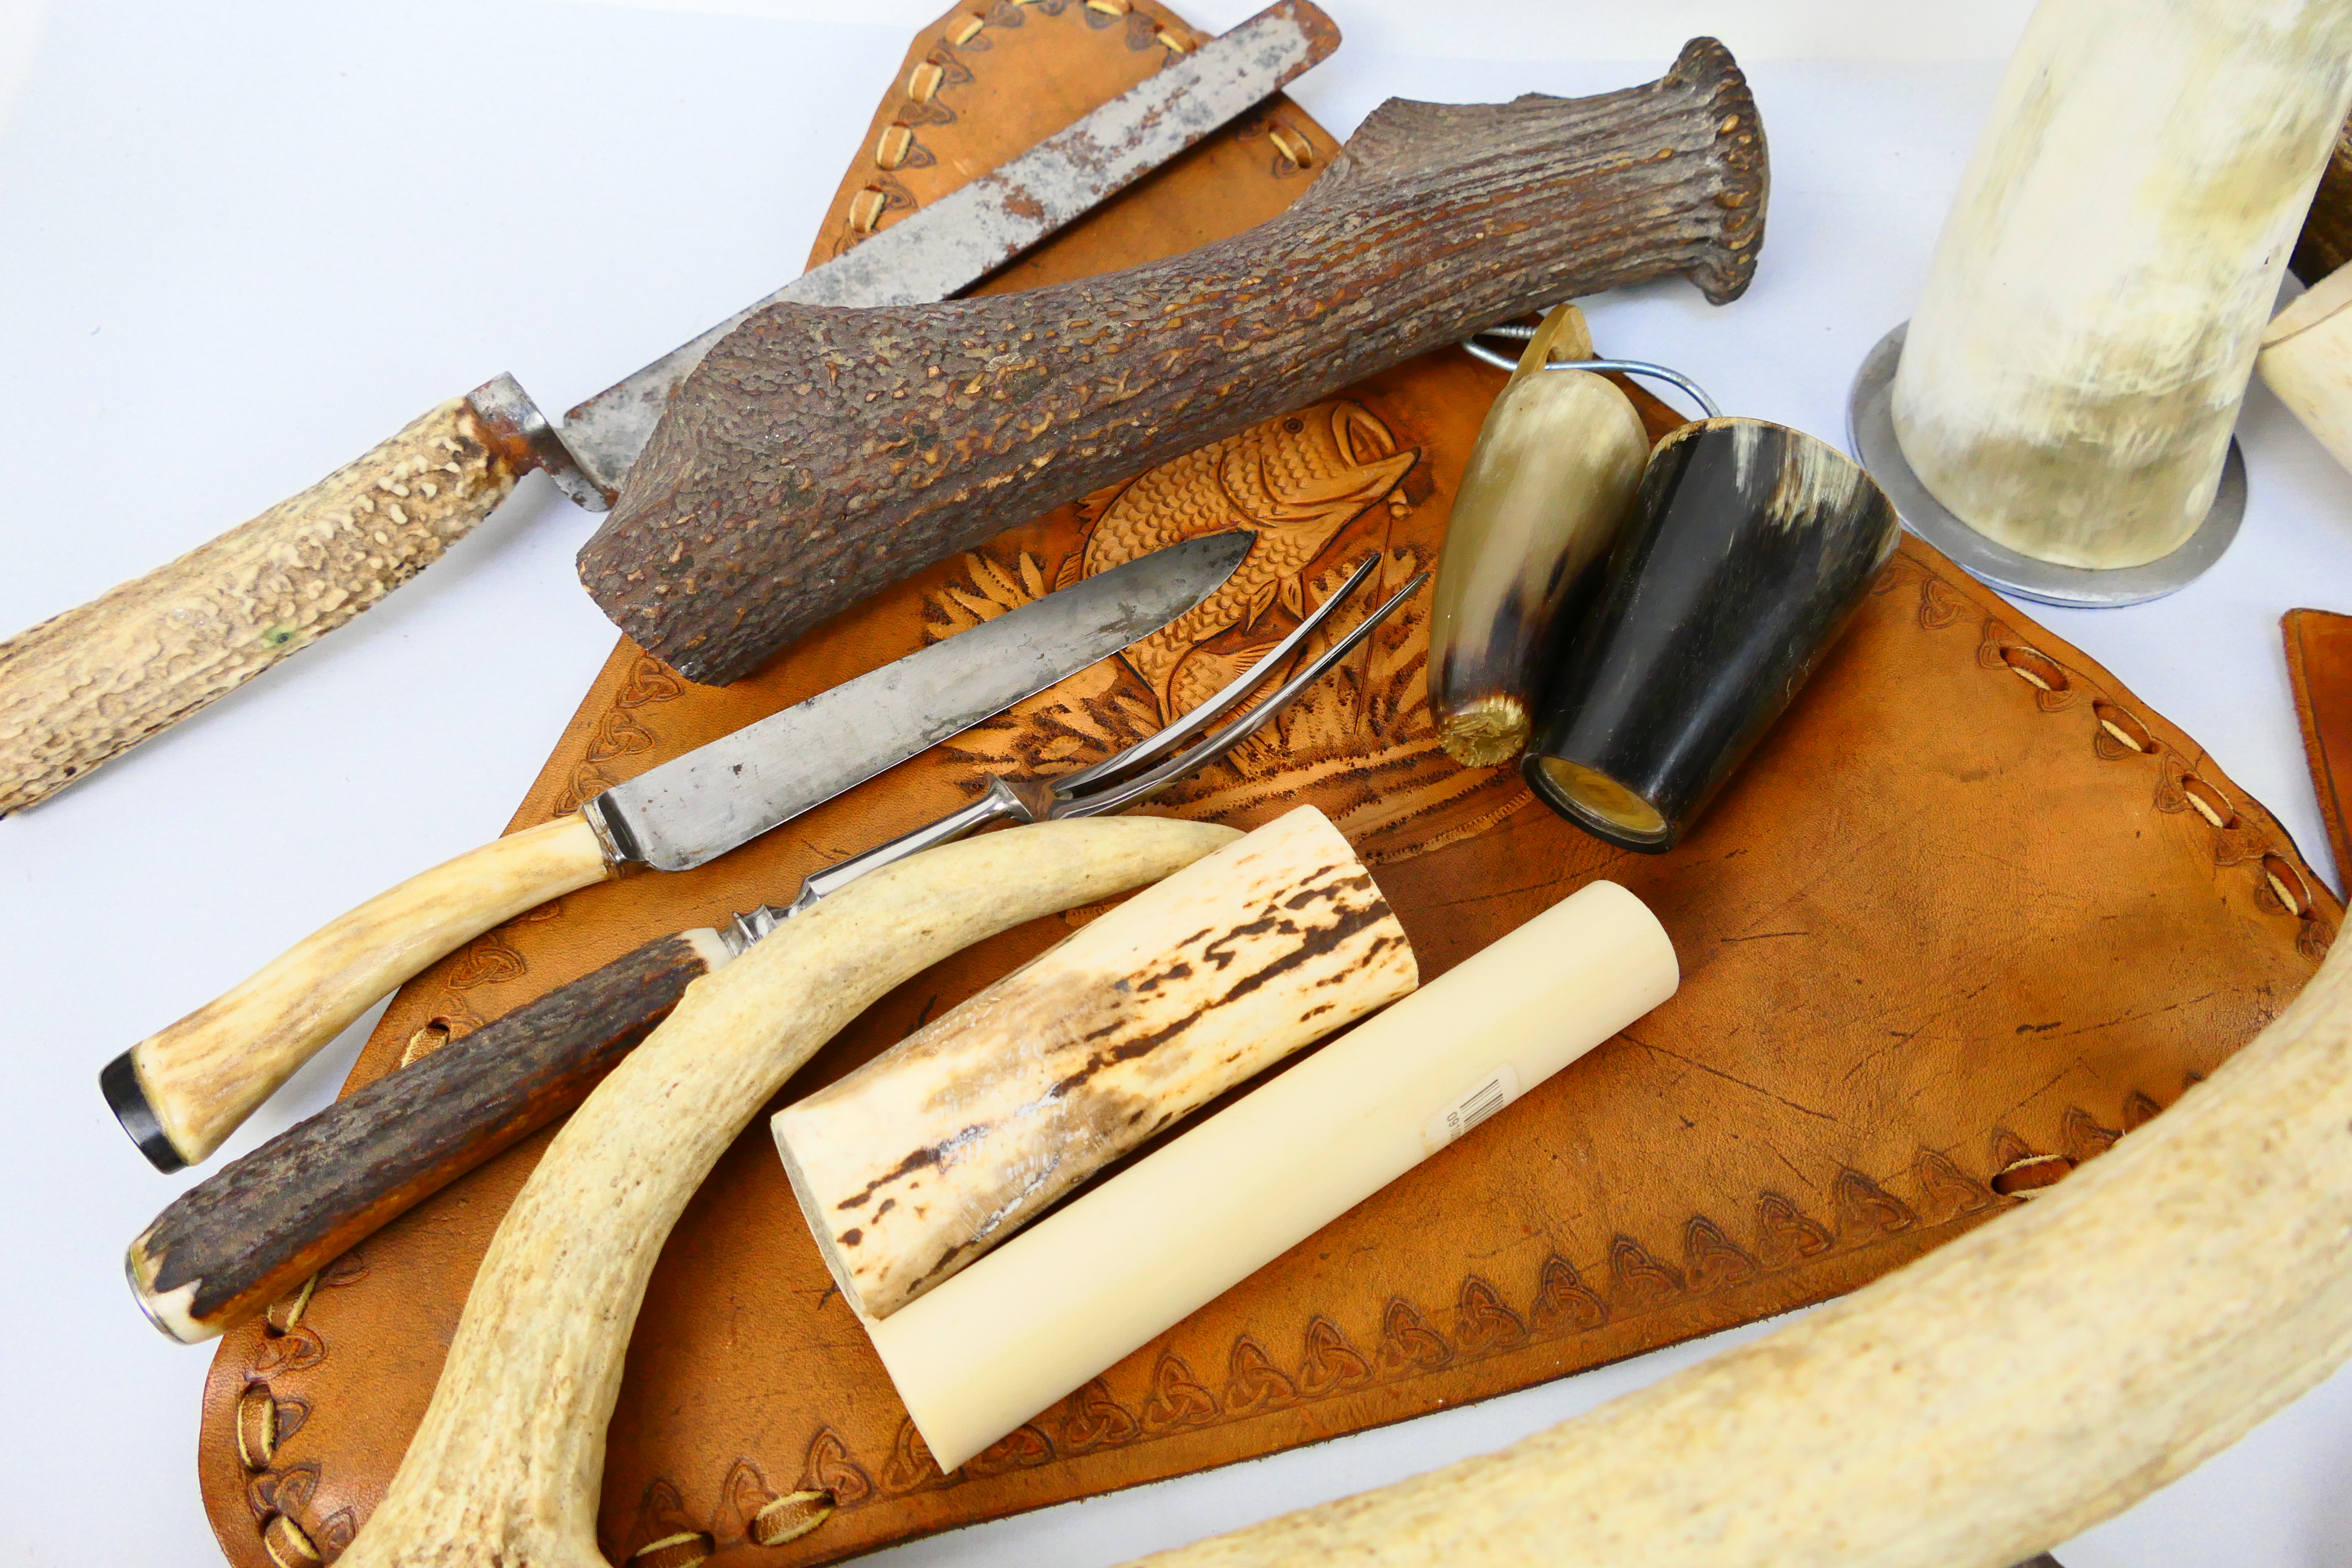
[[1481, 1100]]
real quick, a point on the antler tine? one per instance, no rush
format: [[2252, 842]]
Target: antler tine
[[1153, 747], [1143, 786]]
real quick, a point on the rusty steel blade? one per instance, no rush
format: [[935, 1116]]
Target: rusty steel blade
[[695, 807], [964, 236]]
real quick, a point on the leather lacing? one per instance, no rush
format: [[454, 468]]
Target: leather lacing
[[2031, 1177], [260, 1424], [425, 1041], [2036, 669], [896, 144], [787, 1518], [2124, 729], [2122, 732], [680, 1551]]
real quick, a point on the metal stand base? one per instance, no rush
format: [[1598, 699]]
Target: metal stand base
[[1870, 435]]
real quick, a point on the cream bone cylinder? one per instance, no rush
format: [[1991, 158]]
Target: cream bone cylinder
[[914, 1165], [2091, 316], [1072, 1294], [2307, 360]]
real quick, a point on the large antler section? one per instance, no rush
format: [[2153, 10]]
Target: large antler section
[[818, 454]]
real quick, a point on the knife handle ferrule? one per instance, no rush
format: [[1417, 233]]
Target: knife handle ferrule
[[613, 835], [511, 422], [180, 1091]]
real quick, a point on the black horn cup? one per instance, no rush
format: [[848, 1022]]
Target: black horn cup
[[1751, 547]]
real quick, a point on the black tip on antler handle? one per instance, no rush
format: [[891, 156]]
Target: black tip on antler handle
[[119, 1081]]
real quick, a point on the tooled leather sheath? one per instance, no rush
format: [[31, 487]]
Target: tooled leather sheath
[[1970, 913]]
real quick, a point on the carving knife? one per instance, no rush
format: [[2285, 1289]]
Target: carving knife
[[179, 1093], [85, 686]]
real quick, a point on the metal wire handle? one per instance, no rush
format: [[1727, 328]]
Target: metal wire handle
[[1519, 333]]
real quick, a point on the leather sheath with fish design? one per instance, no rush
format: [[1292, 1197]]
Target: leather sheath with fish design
[[1968, 915]]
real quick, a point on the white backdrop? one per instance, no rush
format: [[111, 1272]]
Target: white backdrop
[[241, 242]]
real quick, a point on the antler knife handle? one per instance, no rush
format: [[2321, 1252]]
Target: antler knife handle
[[82, 688], [819, 454], [256, 1229], [178, 1093]]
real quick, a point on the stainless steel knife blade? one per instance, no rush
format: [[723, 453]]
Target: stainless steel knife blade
[[961, 239], [695, 807]]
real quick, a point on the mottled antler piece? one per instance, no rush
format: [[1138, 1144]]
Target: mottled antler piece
[[503, 1472], [818, 454], [943, 1147]]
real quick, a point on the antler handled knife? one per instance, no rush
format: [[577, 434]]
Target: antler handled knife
[[83, 686], [179, 1093]]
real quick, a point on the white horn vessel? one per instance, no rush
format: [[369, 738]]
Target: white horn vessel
[[2094, 307]]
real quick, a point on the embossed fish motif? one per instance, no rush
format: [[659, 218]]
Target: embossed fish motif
[[1295, 482]]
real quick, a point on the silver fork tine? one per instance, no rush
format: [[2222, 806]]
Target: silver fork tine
[[1153, 747], [1144, 785]]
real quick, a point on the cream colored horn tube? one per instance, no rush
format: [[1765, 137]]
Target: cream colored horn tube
[[1074, 1292], [2090, 319]]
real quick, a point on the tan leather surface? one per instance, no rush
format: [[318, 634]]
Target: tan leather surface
[[1970, 903], [2319, 664]]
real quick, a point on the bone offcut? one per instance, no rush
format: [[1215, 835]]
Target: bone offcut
[[1548, 489], [816, 455], [1074, 1292], [917, 1163], [2307, 360]]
